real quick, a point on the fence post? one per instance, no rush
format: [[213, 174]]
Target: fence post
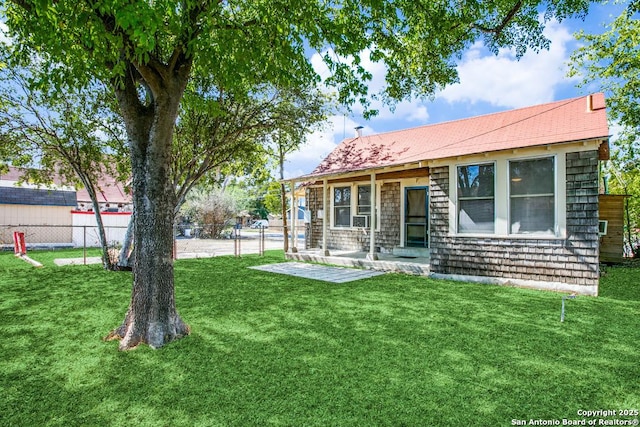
[[236, 240]]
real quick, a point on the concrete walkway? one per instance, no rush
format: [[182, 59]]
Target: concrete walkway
[[318, 272], [78, 261]]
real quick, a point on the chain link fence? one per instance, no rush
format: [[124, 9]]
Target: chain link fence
[[60, 236], [190, 240], [207, 240], [204, 240]]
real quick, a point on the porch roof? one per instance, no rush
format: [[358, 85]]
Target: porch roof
[[575, 119]]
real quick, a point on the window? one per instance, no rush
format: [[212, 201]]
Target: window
[[602, 227], [476, 198], [532, 196], [522, 197], [364, 200], [342, 206]]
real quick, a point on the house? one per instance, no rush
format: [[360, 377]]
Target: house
[[60, 215], [509, 198], [112, 195], [300, 216], [30, 204]]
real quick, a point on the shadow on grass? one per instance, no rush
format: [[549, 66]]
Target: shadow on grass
[[268, 349], [621, 282]]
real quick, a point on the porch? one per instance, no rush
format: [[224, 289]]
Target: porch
[[399, 263]]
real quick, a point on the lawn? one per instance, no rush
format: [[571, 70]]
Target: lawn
[[275, 350]]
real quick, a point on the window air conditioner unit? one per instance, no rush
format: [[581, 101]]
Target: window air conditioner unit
[[602, 227], [361, 221]]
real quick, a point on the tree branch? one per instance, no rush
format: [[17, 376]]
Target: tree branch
[[505, 21]]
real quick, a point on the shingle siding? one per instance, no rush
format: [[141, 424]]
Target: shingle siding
[[573, 260], [357, 239], [390, 223]]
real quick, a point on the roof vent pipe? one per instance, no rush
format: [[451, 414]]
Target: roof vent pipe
[[589, 103], [359, 131]]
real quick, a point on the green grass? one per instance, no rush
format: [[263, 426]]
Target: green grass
[[268, 349]]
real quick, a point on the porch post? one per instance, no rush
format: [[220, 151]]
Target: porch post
[[325, 213], [372, 255], [294, 217]]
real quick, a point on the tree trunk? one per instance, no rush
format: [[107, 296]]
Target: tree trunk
[[124, 257], [283, 194], [152, 317], [107, 262], [635, 252], [104, 244]]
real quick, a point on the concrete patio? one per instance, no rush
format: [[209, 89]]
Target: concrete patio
[[318, 272], [385, 262]]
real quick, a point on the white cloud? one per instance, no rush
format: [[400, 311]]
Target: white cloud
[[499, 80], [319, 66], [410, 111], [4, 31], [502, 80]]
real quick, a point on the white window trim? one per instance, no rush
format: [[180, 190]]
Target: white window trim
[[354, 204], [502, 199], [357, 192], [495, 196], [555, 199], [333, 206]]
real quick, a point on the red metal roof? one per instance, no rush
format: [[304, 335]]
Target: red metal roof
[[109, 191], [556, 122]]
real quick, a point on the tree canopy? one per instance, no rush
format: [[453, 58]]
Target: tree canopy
[[245, 42], [226, 134], [612, 60]]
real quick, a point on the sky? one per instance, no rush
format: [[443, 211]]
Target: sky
[[488, 83]]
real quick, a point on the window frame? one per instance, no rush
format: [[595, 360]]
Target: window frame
[[502, 199], [354, 186], [459, 198], [358, 204], [335, 206], [555, 225]]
